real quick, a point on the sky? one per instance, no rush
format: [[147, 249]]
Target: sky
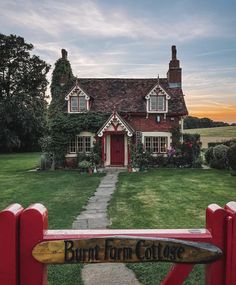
[[133, 38]]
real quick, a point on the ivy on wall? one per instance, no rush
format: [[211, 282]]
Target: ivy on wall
[[64, 126]]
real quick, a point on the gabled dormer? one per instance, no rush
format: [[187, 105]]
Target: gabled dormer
[[78, 100], [157, 100]]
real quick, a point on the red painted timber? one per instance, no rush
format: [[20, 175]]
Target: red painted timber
[[33, 223], [9, 223], [201, 235], [217, 225], [231, 210], [177, 274], [228, 273]]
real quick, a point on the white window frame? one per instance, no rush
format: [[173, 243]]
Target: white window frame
[[156, 144], [158, 134], [78, 109], [157, 92], [73, 146], [158, 99], [84, 144]]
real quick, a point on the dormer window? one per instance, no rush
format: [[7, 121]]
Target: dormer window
[[157, 103], [78, 104], [78, 100], [157, 100]]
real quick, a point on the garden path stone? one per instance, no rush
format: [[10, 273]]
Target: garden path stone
[[95, 216]]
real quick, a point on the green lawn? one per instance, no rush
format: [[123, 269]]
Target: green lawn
[[64, 193], [165, 198], [168, 198], [228, 131]]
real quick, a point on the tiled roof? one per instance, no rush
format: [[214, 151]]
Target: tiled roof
[[127, 95]]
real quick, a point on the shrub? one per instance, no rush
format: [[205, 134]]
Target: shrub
[[227, 143], [158, 161], [231, 155], [220, 160], [139, 158], [209, 155]]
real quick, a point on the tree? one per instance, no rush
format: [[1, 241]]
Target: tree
[[195, 123], [23, 86]]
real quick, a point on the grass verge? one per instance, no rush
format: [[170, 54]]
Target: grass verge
[[63, 193], [168, 198]]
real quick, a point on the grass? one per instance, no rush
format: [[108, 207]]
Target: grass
[[168, 198], [228, 131], [64, 193]]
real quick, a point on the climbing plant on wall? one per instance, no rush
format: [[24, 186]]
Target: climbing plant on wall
[[63, 126], [66, 126]]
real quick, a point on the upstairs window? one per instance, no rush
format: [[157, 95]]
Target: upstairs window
[[78, 104], [157, 103]]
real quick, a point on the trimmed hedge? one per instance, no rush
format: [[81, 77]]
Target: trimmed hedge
[[227, 143]]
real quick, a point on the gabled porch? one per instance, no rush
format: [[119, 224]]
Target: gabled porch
[[116, 134]]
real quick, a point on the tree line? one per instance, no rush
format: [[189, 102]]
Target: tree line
[[197, 123], [23, 102]]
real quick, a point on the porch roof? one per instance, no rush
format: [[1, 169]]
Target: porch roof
[[121, 121]]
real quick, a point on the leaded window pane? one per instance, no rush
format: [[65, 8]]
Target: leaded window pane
[[160, 103], [72, 146], [153, 103], [156, 144], [148, 144], [74, 104], [157, 103], [84, 144], [80, 144], [87, 144], [82, 103], [163, 144]]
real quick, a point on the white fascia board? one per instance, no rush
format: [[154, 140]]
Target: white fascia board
[[153, 92], [77, 91]]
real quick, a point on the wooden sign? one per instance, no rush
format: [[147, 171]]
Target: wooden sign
[[125, 250]]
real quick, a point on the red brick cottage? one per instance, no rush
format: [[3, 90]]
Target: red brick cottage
[[144, 110]]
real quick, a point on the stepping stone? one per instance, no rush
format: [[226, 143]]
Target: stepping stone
[[108, 274], [95, 217]]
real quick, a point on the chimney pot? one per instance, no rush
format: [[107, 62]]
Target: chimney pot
[[64, 54], [174, 52]]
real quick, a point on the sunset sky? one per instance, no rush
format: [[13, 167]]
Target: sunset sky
[[133, 38]]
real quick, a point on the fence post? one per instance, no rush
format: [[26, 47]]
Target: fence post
[[33, 223], [9, 224], [231, 247], [216, 223]]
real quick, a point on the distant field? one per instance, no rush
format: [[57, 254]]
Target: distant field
[[214, 134]]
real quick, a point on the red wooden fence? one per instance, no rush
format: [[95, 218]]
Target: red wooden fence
[[21, 230]]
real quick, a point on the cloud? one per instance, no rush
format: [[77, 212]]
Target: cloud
[[88, 19]]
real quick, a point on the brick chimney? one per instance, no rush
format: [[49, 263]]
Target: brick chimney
[[174, 73]]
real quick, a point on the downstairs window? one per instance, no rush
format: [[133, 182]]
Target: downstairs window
[[156, 144], [80, 144]]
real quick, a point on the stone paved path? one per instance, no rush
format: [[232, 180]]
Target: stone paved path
[[95, 217]]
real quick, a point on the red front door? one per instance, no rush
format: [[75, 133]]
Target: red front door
[[117, 150]]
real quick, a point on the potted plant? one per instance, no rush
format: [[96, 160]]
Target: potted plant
[[84, 165]]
